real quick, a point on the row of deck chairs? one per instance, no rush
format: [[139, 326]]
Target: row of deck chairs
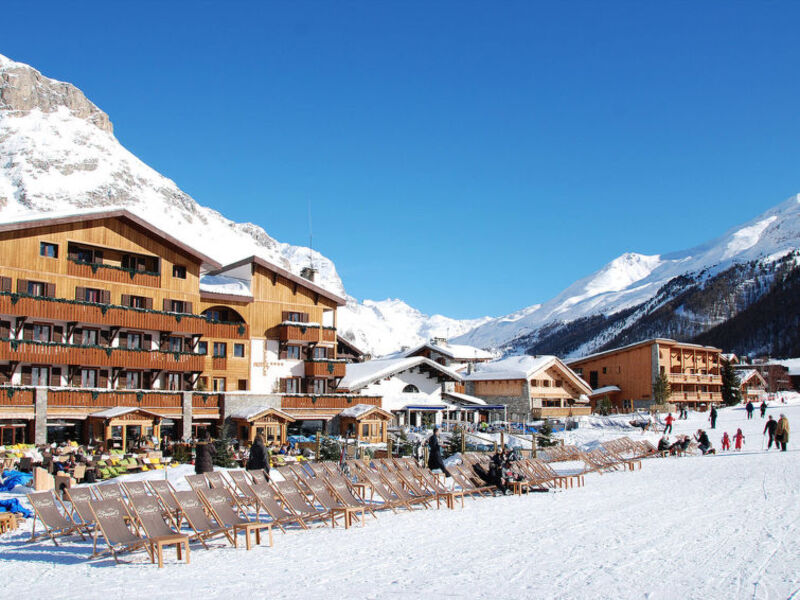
[[148, 515]]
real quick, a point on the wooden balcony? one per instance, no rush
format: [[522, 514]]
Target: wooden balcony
[[205, 400], [117, 316], [694, 378], [303, 332], [554, 412], [329, 401], [110, 273], [14, 396], [65, 354], [80, 398], [325, 368]]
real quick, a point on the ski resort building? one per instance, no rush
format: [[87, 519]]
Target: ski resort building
[[457, 357], [693, 372], [417, 391], [775, 374], [752, 386], [531, 387], [109, 325]]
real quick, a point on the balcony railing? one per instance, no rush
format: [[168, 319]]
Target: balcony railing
[[694, 378], [306, 332], [77, 311], [326, 400], [205, 400], [560, 411], [113, 273], [325, 368], [97, 356], [113, 398], [16, 396]]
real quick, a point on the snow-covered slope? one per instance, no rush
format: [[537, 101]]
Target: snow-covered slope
[[632, 279]]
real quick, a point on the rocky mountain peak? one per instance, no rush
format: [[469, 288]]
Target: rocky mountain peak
[[23, 89]]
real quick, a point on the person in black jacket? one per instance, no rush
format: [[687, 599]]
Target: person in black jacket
[[749, 408], [763, 408], [204, 453], [703, 443], [713, 417], [259, 456], [770, 428], [435, 453]]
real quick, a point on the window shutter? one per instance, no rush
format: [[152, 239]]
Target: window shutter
[[105, 297], [50, 290], [283, 385], [80, 293], [103, 378], [98, 257], [58, 333], [148, 341], [5, 329], [72, 252], [146, 380], [187, 307], [126, 300], [148, 303], [167, 305], [77, 335], [105, 337], [5, 284], [304, 317], [123, 340], [285, 316], [27, 331], [163, 344], [55, 376], [22, 286], [26, 375]]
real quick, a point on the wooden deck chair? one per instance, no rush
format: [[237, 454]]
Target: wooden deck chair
[[266, 498], [550, 474], [390, 498], [242, 488], [333, 504], [197, 482], [258, 475], [331, 466], [298, 502], [229, 512], [414, 485], [150, 516], [204, 526], [317, 468], [163, 490], [399, 487], [340, 487], [79, 499], [112, 518], [216, 480], [435, 484], [110, 491], [135, 489], [55, 523], [287, 472], [465, 482]]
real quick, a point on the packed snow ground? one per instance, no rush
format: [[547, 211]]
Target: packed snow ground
[[721, 526]]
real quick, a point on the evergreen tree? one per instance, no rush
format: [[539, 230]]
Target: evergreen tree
[[661, 389], [453, 445], [405, 447], [604, 408], [545, 437], [731, 393], [224, 456], [329, 449]]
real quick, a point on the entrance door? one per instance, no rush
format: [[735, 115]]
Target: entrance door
[[132, 434]]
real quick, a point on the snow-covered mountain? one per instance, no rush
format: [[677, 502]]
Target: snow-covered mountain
[[634, 279]]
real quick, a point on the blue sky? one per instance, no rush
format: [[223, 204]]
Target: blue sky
[[471, 158]]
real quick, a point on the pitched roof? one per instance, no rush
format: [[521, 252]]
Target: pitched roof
[[253, 412], [310, 285], [525, 367], [360, 375], [120, 213], [118, 411], [454, 351], [463, 398], [362, 410], [665, 341], [608, 389]]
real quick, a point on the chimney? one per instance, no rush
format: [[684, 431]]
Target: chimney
[[309, 273]]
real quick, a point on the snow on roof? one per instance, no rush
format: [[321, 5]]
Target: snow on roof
[[605, 390], [745, 376], [359, 410], [253, 411], [513, 367], [454, 351], [220, 284], [402, 401], [360, 375], [118, 411], [464, 398]]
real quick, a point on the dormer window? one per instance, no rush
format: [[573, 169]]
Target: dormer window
[[411, 389], [179, 271]]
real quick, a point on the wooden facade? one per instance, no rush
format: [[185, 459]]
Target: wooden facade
[[369, 426], [693, 373]]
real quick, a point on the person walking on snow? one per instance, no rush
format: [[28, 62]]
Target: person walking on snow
[[749, 408], [738, 438], [770, 428], [668, 421], [782, 432], [763, 408], [726, 441], [435, 453], [713, 417]]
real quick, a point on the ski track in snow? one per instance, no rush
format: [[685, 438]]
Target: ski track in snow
[[720, 526]]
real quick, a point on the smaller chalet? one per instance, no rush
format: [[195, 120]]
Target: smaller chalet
[[366, 423], [752, 385], [457, 357], [532, 387], [270, 422]]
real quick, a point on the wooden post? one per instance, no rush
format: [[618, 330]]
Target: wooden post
[[502, 440], [389, 448], [316, 453], [463, 441]]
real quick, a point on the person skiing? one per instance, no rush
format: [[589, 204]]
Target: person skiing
[[668, 421], [782, 432], [769, 428], [749, 408], [726, 441], [713, 417], [738, 439], [763, 408], [435, 453]]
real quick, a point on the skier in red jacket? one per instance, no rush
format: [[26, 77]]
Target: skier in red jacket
[[668, 421], [726, 441], [738, 438]]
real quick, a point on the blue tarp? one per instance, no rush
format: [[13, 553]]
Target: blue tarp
[[12, 479], [12, 505]]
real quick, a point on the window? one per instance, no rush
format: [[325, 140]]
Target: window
[[84, 255], [89, 337], [88, 378], [138, 302], [214, 315], [242, 385], [48, 250], [92, 295], [318, 386], [292, 385], [134, 341], [411, 389], [175, 344], [296, 317], [173, 381], [238, 350], [558, 383], [132, 380], [136, 263], [293, 352], [604, 370], [320, 352], [40, 376], [365, 430], [545, 383], [202, 348], [37, 288], [219, 384], [41, 333], [220, 349], [177, 306], [551, 403], [179, 271]]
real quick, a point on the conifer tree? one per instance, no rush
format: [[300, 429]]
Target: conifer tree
[[731, 394], [224, 456], [545, 437], [454, 443], [661, 389]]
